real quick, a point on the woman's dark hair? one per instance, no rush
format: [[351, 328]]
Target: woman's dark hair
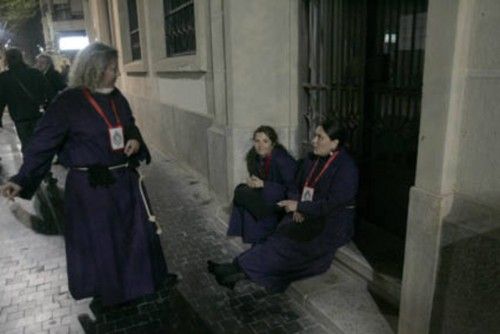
[[334, 131], [251, 157], [14, 58], [268, 131]]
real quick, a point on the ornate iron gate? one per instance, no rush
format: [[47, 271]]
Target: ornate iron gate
[[362, 64]]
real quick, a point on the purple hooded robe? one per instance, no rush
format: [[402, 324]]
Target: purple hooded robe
[[112, 250]]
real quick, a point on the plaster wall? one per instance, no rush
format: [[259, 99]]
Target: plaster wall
[[260, 51]]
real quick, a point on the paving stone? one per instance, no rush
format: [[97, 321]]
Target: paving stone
[[15, 315], [14, 331], [33, 328]]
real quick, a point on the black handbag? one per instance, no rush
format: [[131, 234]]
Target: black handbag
[[251, 200], [305, 231]]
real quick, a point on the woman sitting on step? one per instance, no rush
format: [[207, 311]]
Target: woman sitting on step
[[271, 170], [306, 239]]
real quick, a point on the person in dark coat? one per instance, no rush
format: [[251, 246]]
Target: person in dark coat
[[305, 241], [24, 91], [271, 178], [54, 80], [112, 248]]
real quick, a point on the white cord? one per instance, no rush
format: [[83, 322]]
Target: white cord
[[151, 217]]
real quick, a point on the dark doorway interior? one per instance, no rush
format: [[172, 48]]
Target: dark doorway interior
[[362, 64]]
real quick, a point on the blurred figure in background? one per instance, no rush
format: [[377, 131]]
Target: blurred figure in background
[[24, 91], [55, 81]]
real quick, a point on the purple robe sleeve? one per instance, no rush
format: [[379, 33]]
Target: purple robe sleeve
[[342, 192], [288, 168], [48, 137]]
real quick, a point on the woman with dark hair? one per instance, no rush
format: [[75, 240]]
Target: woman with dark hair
[[271, 172], [112, 249], [315, 226]]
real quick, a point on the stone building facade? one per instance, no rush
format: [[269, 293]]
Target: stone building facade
[[202, 74]]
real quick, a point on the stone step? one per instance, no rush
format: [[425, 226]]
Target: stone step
[[385, 286], [343, 303]]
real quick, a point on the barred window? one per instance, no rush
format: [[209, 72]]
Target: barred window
[[135, 41], [180, 35]]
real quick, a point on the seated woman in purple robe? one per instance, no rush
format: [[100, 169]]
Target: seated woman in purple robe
[[306, 239], [272, 169], [112, 250]]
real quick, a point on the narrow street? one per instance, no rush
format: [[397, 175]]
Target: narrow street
[[34, 297]]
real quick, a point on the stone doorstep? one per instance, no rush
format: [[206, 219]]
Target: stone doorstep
[[342, 303], [386, 287]]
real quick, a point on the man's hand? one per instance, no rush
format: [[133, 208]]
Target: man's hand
[[298, 217], [288, 205], [131, 147], [254, 182], [10, 190]]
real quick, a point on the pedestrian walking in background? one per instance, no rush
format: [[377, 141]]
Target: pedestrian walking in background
[[65, 72], [113, 251], [305, 241], [271, 171], [55, 81], [23, 90]]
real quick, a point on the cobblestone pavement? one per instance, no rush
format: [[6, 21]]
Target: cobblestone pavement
[[34, 297]]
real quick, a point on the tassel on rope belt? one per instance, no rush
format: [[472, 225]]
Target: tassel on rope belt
[[151, 216]]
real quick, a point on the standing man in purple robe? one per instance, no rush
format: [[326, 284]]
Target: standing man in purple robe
[[271, 170], [305, 241], [112, 250]]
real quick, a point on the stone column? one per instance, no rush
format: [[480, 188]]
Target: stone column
[[255, 60], [448, 222]]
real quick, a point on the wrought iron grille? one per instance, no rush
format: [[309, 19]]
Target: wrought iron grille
[[135, 39], [180, 34], [332, 78], [362, 65]]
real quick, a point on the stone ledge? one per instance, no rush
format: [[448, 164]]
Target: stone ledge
[[343, 303]]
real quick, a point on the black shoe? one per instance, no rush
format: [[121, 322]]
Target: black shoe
[[229, 281], [222, 269], [171, 279], [211, 266]]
